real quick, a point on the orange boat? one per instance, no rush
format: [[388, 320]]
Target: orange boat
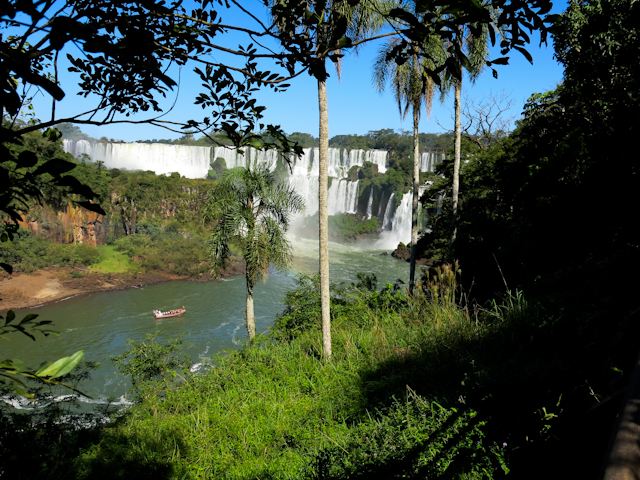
[[170, 313]]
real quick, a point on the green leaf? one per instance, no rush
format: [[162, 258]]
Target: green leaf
[[52, 134], [10, 317], [500, 61], [255, 143], [344, 42], [60, 367], [7, 365], [28, 318]]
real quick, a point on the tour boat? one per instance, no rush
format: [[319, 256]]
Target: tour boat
[[170, 313]]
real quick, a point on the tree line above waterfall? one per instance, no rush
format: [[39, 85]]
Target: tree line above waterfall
[[395, 142]]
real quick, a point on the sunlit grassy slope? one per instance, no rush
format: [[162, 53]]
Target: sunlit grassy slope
[[111, 261]]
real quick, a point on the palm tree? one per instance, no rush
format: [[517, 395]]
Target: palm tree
[[476, 50], [252, 209], [361, 21], [412, 87]]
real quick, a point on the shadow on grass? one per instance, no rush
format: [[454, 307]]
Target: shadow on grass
[[54, 450], [442, 454], [543, 388]]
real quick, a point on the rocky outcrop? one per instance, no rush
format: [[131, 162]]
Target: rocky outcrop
[[72, 225], [403, 252]]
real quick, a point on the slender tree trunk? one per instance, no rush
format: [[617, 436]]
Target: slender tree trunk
[[251, 318], [323, 216], [456, 161], [416, 175]]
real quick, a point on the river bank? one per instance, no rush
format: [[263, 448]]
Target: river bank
[[28, 290]]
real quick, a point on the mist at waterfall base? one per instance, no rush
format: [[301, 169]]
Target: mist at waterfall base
[[344, 194]]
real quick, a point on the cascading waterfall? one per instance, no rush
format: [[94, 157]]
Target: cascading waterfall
[[396, 227], [194, 162], [401, 223], [343, 196], [386, 222], [189, 161], [369, 205], [250, 157], [429, 160]]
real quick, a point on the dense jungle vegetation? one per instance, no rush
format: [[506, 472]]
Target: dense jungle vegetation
[[512, 357]]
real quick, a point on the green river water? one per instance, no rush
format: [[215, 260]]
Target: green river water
[[101, 323]]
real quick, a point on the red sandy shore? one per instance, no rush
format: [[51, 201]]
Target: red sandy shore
[[25, 290]]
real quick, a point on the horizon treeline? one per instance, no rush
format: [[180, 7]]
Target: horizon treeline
[[399, 142]]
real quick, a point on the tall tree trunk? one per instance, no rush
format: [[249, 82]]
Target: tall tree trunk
[[416, 175], [251, 318], [456, 161], [323, 216]]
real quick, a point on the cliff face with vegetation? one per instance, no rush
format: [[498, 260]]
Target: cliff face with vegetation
[[72, 224], [135, 202], [152, 223]]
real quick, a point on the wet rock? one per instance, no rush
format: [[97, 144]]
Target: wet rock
[[402, 252]]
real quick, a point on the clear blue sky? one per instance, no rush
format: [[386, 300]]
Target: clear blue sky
[[354, 105]]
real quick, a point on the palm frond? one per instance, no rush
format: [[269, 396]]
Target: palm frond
[[405, 79], [252, 208]]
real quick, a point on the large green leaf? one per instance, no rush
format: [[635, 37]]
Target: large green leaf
[[60, 367]]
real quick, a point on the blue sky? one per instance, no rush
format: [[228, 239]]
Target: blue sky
[[354, 105]]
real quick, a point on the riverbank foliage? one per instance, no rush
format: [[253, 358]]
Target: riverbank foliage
[[276, 410], [169, 251], [155, 220], [28, 253]]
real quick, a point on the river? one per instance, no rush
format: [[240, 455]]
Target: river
[[100, 323]]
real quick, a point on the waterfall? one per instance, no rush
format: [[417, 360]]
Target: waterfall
[[194, 162], [369, 205], [357, 157], [379, 158], [401, 224], [189, 161], [246, 157], [386, 222], [343, 197], [429, 160]]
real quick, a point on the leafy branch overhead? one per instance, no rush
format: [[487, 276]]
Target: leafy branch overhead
[[127, 56], [508, 24]]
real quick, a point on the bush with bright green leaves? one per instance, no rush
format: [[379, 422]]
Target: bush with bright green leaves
[[28, 253], [345, 227]]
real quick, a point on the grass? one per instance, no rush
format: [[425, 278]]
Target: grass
[[111, 261], [417, 387], [279, 411]]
